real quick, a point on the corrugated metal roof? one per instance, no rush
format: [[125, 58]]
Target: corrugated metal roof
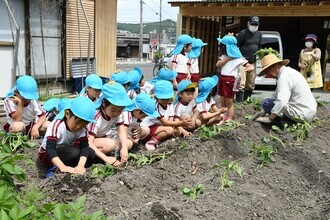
[[240, 1]]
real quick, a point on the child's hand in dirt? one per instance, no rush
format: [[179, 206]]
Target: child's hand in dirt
[[67, 169], [80, 170], [185, 133], [124, 156], [186, 122], [113, 161], [34, 133]]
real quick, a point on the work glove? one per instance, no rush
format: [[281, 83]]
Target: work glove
[[258, 114], [264, 120]]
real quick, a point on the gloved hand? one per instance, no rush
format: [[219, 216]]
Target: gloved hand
[[265, 120], [258, 114]]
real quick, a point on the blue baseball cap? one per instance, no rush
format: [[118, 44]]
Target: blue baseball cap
[[164, 89], [205, 86], [146, 104], [164, 74], [231, 46], [135, 76], [94, 81], [82, 107], [64, 104], [196, 48], [51, 104], [116, 94], [182, 40], [26, 86], [183, 85], [120, 77]]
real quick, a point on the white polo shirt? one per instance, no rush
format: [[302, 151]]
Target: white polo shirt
[[205, 106], [181, 108], [30, 111], [103, 124], [166, 113], [181, 63], [194, 68], [58, 131], [231, 68]]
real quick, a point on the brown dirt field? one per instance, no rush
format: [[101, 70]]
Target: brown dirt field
[[295, 186]]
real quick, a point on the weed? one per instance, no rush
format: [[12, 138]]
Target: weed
[[193, 192], [102, 171], [229, 166], [140, 159]]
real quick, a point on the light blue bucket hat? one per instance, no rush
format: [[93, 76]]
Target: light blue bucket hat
[[64, 104], [82, 107], [26, 86], [120, 77], [164, 89], [196, 48], [182, 40], [51, 104], [231, 46], [164, 74], [116, 94], [146, 104], [93, 81], [205, 86], [135, 76]]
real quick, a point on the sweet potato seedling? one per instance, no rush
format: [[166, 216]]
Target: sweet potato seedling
[[13, 141], [102, 171], [140, 159], [301, 128], [193, 192], [229, 166], [264, 151], [208, 132], [256, 103]]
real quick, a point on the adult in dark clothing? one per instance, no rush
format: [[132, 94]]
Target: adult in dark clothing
[[249, 42]]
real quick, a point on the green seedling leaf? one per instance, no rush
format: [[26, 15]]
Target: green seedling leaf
[[275, 128], [193, 192], [249, 117]]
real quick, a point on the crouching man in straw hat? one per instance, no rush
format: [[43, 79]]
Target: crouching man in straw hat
[[292, 100]]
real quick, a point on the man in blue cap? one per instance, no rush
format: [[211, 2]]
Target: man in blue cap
[[249, 42]]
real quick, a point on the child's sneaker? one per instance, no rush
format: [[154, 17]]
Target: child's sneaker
[[51, 172]]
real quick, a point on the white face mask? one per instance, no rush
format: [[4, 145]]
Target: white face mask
[[253, 28], [308, 44]]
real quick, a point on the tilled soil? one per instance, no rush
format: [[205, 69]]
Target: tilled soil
[[295, 186]]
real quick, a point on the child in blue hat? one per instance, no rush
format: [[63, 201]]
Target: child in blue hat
[[108, 114], [22, 108], [136, 76], [65, 144], [122, 78], [180, 60], [161, 128], [52, 107], [230, 61], [143, 106], [210, 114], [93, 87], [185, 108], [196, 50], [163, 74]]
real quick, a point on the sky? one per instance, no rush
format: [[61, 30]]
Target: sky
[[128, 11]]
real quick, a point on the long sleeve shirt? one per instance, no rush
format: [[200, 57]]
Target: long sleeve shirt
[[293, 96]]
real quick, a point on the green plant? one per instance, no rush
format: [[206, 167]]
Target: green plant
[[264, 151], [102, 171], [208, 132], [140, 159], [301, 128], [182, 144], [8, 167], [255, 102], [13, 141], [44, 98], [229, 166], [193, 191], [265, 51], [321, 103], [317, 121]]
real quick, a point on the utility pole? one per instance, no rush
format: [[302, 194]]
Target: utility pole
[[160, 25], [141, 32]]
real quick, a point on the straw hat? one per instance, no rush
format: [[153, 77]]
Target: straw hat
[[270, 60]]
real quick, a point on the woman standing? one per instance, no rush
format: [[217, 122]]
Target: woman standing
[[309, 62]]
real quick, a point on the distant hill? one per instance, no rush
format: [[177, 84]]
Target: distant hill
[[168, 25]]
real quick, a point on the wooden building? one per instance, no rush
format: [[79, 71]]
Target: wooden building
[[294, 19]]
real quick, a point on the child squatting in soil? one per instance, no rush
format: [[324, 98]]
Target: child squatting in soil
[[65, 144], [22, 108], [93, 87], [161, 128], [111, 104], [205, 102], [185, 108], [143, 106], [230, 61]]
